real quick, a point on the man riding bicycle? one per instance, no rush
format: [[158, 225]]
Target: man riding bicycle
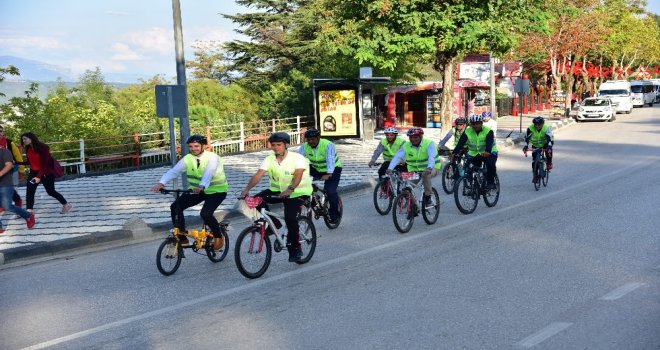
[[481, 146], [206, 179], [290, 181], [324, 165], [541, 136], [421, 155], [388, 147], [456, 132]]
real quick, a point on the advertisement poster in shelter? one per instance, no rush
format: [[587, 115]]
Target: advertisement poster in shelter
[[338, 113]]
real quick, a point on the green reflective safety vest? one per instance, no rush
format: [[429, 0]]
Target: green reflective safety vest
[[457, 135], [417, 158], [390, 149], [281, 175], [316, 156], [476, 143], [194, 173], [538, 136]]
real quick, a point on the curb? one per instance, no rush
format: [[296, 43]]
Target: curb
[[135, 230]]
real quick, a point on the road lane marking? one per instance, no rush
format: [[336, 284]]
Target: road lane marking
[[543, 334], [316, 266], [621, 291]]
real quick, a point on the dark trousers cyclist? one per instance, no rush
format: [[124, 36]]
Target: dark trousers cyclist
[[211, 203], [330, 187], [491, 168], [292, 208]]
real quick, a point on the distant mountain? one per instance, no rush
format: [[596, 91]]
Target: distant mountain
[[35, 70]]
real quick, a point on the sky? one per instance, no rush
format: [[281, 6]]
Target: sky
[[118, 36]]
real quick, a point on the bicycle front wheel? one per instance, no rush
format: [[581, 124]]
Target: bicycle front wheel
[[466, 195], [168, 258], [252, 252], [307, 239], [492, 196], [537, 175], [431, 210], [383, 197], [546, 176], [220, 254], [449, 175], [403, 213], [340, 212]]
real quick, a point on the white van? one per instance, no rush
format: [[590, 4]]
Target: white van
[[643, 93], [619, 92], [656, 86]]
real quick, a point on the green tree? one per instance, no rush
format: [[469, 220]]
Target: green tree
[[11, 70], [385, 33]]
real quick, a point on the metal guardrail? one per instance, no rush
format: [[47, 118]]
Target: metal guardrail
[[99, 155]]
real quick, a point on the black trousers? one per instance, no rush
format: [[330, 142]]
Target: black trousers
[[187, 200], [49, 185], [291, 211], [491, 169]]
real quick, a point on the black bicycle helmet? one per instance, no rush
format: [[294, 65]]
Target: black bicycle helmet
[[197, 139], [312, 133], [538, 120], [279, 137]]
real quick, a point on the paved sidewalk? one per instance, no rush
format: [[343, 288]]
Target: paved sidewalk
[[120, 206]]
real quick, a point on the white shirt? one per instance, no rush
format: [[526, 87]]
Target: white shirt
[[180, 167]]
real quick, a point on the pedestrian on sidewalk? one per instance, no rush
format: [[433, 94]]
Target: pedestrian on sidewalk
[[7, 188], [17, 158], [208, 183], [42, 169]]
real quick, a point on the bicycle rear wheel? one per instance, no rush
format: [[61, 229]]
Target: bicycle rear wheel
[[466, 194], [537, 175], [340, 212], [492, 196], [252, 252], [448, 177], [220, 254], [430, 211], [168, 258], [383, 197], [403, 213], [307, 239]]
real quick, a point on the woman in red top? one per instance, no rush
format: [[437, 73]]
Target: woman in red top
[[41, 171]]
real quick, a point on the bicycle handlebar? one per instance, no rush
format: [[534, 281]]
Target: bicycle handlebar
[[166, 191]]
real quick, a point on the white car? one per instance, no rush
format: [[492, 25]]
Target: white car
[[596, 108]]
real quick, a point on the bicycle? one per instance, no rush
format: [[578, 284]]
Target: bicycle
[[385, 191], [406, 204], [254, 249], [469, 187], [450, 173], [540, 171], [319, 206], [170, 252]]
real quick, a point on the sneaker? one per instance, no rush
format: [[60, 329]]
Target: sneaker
[[294, 253], [2, 230], [218, 243], [426, 200], [30, 221], [18, 203], [66, 208]]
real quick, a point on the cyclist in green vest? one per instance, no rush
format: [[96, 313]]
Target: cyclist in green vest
[[456, 132], [388, 147], [290, 184], [480, 141], [421, 155], [206, 178], [541, 136], [324, 164]]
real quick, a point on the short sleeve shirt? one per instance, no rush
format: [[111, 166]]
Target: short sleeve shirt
[[6, 157]]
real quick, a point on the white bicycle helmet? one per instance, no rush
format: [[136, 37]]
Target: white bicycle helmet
[[391, 130], [476, 118]]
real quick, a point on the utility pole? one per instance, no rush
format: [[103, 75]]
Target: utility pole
[[184, 123]]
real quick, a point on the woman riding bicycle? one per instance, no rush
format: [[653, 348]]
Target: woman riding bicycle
[[290, 181]]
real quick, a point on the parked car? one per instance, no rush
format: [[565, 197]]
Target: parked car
[[596, 108]]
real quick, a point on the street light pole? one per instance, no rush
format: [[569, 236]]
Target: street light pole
[[184, 123]]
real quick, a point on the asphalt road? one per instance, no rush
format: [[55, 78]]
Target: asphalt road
[[575, 265]]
